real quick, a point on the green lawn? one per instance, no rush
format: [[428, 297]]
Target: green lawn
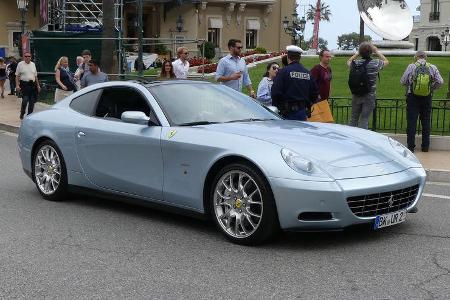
[[388, 86]]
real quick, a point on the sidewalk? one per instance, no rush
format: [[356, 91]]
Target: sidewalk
[[437, 163]]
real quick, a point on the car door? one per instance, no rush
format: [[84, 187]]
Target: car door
[[121, 156]]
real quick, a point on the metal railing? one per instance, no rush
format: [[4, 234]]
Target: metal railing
[[390, 115]]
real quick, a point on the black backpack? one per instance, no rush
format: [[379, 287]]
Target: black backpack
[[358, 80]]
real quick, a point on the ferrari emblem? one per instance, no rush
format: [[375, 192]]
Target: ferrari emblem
[[172, 133], [238, 203]]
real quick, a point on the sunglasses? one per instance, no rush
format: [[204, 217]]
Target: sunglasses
[[239, 47], [27, 55], [187, 53], [275, 68]]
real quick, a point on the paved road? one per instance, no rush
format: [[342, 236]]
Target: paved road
[[93, 248]]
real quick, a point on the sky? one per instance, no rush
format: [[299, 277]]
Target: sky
[[343, 19]]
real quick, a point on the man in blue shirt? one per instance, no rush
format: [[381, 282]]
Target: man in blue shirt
[[232, 69], [294, 90]]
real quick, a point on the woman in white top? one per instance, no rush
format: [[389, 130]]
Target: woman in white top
[[265, 86]]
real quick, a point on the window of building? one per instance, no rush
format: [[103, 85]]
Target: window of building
[[416, 44], [251, 39], [434, 5], [213, 36]]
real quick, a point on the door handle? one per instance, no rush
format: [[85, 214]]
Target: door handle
[[81, 134]]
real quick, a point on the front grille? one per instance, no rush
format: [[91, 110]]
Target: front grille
[[382, 203]]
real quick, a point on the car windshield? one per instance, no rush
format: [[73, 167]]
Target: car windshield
[[193, 103]]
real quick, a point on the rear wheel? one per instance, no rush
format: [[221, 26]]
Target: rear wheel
[[243, 206], [49, 171]]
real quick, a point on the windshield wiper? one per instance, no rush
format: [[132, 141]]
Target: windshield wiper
[[197, 123], [251, 120]]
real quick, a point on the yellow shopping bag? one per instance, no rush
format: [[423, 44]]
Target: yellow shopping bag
[[321, 112]]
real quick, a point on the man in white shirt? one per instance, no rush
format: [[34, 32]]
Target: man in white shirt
[[181, 65], [27, 83]]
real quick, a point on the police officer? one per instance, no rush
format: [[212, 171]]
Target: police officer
[[294, 90]]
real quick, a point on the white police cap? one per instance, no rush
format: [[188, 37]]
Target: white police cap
[[293, 48]]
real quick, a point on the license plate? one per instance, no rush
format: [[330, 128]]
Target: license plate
[[389, 219]]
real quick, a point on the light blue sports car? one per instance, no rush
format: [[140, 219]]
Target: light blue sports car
[[204, 149]]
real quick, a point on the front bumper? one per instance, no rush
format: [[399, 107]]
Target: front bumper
[[294, 197]]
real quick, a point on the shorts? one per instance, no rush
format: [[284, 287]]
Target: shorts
[[3, 77]]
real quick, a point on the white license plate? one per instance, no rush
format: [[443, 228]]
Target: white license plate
[[389, 219]]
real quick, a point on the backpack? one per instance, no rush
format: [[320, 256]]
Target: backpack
[[421, 80], [358, 80]]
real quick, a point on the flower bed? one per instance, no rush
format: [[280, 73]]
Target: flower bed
[[250, 57], [198, 61]]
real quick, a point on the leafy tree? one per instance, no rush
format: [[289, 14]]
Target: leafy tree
[[210, 51], [323, 44], [350, 41]]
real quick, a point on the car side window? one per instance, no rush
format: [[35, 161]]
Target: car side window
[[116, 100], [85, 103]]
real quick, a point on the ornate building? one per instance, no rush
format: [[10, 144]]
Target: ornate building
[[429, 29], [255, 22]]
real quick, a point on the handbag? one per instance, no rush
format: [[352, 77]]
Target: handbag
[[321, 112]]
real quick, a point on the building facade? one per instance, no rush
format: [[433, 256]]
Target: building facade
[[254, 22], [10, 24], [427, 33]]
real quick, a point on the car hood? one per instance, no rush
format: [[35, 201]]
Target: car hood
[[334, 147]]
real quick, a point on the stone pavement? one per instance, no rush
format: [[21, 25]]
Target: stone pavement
[[437, 163]]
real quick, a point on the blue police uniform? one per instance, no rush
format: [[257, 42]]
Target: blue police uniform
[[294, 91]]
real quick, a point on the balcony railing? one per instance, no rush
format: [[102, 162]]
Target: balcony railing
[[434, 16]]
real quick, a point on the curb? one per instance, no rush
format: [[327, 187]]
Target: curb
[[9, 128], [438, 175]]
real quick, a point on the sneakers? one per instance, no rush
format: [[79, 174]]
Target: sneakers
[[424, 149]]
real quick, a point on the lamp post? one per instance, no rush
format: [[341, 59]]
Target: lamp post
[[180, 23], [295, 27], [22, 6], [445, 37]]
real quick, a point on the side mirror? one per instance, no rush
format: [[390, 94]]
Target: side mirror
[[273, 109], [135, 117]]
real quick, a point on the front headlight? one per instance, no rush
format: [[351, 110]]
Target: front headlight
[[295, 162], [402, 150]]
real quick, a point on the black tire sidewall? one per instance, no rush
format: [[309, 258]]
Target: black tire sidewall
[[269, 224], [61, 191]]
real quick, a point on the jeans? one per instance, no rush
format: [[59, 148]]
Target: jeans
[[297, 115], [362, 108], [417, 106]]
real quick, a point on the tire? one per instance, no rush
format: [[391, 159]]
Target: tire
[[245, 210], [50, 179]]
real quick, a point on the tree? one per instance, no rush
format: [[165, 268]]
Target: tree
[[350, 41], [325, 12], [317, 13], [322, 44], [210, 51], [108, 55]]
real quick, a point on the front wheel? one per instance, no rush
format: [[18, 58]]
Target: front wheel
[[49, 171], [243, 206]]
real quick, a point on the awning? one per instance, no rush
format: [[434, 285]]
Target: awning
[[215, 23], [253, 25]]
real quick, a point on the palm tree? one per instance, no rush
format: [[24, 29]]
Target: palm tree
[[324, 15], [325, 12]]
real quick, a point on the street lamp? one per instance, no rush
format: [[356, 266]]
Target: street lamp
[[295, 27], [22, 5], [445, 37]]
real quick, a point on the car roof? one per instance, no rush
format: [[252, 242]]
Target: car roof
[[171, 82]]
